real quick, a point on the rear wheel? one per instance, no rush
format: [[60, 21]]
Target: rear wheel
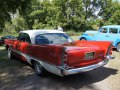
[[118, 47], [10, 56], [40, 71], [83, 39]]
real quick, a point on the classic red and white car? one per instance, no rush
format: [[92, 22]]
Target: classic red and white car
[[54, 51]]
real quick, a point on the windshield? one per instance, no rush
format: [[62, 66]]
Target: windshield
[[52, 38]]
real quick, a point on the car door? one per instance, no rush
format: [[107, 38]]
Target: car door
[[21, 45], [113, 34], [102, 34], [41, 47], [16, 46]]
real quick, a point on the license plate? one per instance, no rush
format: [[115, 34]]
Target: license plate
[[89, 55]]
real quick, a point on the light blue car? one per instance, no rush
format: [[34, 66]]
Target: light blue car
[[105, 33]]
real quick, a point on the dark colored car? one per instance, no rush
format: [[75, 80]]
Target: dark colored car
[[2, 40]]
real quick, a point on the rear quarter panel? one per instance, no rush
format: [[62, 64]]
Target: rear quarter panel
[[46, 53]]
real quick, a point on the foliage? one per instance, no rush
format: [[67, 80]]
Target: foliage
[[76, 15], [9, 8], [109, 12]]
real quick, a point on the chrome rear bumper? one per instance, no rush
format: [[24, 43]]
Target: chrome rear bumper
[[87, 68], [84, 69]]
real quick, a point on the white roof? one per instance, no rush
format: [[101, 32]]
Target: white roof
[[34, 33]]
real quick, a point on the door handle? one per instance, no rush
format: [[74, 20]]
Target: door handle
[[107, 36]]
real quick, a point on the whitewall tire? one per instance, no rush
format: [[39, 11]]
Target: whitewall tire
[[10, 56], [40, 71]]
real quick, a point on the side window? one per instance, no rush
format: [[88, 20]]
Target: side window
[[103, 30], [21, 37], [27, 38], [24, 37], [113, 30]]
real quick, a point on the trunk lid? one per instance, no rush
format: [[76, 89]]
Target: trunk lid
[[83, 55]]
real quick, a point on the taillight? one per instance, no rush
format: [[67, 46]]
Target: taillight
[[64, 57], [65, 60], [109, 52]]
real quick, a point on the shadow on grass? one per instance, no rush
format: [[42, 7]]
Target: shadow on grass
[[15, 75]]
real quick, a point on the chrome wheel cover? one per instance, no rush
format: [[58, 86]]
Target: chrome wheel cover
[[118, 47], [9, 53], [38, 68]]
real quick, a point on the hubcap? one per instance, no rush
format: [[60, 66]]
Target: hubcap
[[38, 68], [9, 53], [83, 39], [118, 47]]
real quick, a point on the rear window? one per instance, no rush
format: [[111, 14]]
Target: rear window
[[52, 38]]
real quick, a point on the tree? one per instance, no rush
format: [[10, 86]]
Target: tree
[[107, 8], [9, 8], [115, 19], [69, 14], [90, 8], [109, 12]]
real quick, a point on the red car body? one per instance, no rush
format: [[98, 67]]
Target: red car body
[[61, 59], [2, 39]]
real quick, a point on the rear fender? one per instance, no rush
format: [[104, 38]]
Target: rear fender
[[102, 44], [116, 42]]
